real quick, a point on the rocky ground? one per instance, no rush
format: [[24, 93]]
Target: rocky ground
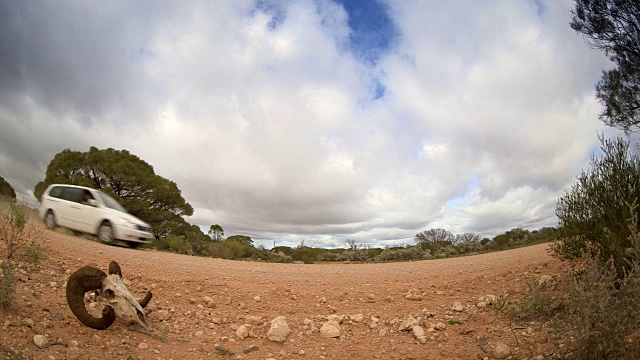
[[205, 308]]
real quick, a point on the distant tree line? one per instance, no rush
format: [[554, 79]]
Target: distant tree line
[[430, 244]]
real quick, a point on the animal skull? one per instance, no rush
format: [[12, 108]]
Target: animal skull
[[113, 290]]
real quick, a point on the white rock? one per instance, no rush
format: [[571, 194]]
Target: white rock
[[330, 329], [143, 346], [427, 314], [242, 332], [41, 341], [253, 320], [209, 301], [440, 326], [501, 350], [257, 298], [199, 333], [457, 306], [413, 294], [357, 318], [408, 324], [418, 332], [163, 314], [279, 330]]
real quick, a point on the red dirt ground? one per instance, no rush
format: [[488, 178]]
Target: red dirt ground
[[198, 328]]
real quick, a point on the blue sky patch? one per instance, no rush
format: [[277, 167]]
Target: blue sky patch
[[373, 32]]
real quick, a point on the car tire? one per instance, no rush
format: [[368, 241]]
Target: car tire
[[133, 244], [105, 233], [50, 220]]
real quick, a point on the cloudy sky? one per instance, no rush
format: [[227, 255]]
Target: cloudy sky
[[311, 120]]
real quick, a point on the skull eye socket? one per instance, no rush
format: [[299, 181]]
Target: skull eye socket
[[108, 294]]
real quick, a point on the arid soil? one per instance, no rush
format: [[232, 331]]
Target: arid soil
[[199, 303]]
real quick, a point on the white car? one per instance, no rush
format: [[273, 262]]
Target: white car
[[93, 212]]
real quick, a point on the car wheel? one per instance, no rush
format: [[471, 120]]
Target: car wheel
[[50, 220], [133, 244], [105, 233]]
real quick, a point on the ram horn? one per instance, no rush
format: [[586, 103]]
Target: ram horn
[[86, 279], [113, 290]]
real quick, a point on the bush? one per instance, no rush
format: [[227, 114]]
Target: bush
[[402, 254], [601, 315], [179, 245], [218, 250], [353, 255], [594, 212], [469, 247], [18, 241], [279, 257], [604, 308]]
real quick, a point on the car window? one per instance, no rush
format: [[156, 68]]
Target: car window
[[56, 192], [73, 194], [110, 202]]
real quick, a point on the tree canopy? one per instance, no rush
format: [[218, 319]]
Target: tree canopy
[[242, 239], [433, 238], [595, 213], [613, 26], [216, 233], [127, 178], [6, 189]]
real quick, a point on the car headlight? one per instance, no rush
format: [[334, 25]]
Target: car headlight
[[128, 223]]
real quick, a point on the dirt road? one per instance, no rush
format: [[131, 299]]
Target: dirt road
[[200, 303]]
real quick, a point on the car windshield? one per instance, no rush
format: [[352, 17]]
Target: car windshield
[[111, 203]]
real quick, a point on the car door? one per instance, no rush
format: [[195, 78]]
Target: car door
[[73, 208], [84, 210], [91, 212], [57, 203]]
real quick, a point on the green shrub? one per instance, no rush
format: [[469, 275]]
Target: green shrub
[[218, 250], [18, 241], [604, 308], [593, 213], [538, 304], [179, 245], [402, 254], [279, 257]]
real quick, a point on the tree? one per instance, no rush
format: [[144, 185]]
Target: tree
[[6, 189], [352, 244], [127, 178], [595, 212], [613, 26], [434, 239], [466, 238], [216, 233], [242, 239]]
